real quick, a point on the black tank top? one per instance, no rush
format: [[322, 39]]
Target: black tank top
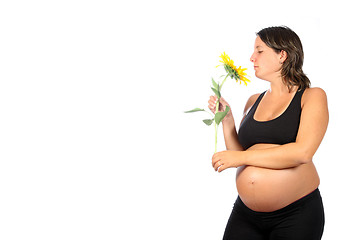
[[280, 130]]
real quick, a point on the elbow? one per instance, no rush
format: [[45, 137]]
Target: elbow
[[305, 156]]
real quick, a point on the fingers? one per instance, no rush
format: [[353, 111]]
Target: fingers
[[212, 103], [216, 162], [218, 166]]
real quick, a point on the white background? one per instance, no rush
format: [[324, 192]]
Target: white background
[[94, 143]]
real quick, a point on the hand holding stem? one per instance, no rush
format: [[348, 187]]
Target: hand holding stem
[[219, 107]]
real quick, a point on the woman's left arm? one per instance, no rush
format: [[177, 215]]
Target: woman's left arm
[[313, 124]]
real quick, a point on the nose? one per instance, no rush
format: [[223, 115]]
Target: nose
[[252, 59]]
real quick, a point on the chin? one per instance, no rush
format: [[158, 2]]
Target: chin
[[262, 77], [259, 76]]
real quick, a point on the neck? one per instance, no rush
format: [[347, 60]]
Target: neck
[[277, 87]]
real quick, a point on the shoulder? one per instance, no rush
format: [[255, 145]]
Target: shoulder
[[250, 102], [316, 91], [313, 95], [314, 103]]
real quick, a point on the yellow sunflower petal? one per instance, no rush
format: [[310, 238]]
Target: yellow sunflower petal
[[236, 73]]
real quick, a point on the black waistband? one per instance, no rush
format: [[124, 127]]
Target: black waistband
[[297, 203]]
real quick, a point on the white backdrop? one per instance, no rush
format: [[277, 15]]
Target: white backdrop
[[94, 143]]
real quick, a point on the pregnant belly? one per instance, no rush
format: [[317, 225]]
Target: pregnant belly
[[268, 190]]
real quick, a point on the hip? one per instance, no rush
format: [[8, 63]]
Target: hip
[[302, 219]]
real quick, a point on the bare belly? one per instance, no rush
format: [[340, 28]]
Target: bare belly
[[267, 190]]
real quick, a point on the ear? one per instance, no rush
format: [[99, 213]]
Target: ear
[[283, 56]]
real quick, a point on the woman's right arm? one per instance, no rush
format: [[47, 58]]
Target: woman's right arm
[[229, 130], [230, 135]]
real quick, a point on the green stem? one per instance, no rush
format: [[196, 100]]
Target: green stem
[[216, 125], [216, 130], [212, 115], [217, 110], [223, 81]]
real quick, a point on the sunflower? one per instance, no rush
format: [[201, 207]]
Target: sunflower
[[237, 73], [231, 70]]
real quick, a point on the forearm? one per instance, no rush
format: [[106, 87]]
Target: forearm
[[231, 137], [313, 123], [280, 157]]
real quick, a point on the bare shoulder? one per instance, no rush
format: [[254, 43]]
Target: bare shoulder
[[314, 104], [314, 95], [250, 102]]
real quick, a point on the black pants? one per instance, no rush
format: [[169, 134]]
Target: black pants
[[301, 220]]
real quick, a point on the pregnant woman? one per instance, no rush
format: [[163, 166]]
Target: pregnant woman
[[280, 132]]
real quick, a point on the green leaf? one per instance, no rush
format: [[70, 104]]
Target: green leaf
[[214, 83], [220, 115], [217, 92], [208, 121], [195, 110]]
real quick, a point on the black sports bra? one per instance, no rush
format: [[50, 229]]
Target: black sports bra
[[281, 130]]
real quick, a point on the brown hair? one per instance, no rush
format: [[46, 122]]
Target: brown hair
[[283, 38]]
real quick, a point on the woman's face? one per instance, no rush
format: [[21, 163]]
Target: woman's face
[[267, 63]]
